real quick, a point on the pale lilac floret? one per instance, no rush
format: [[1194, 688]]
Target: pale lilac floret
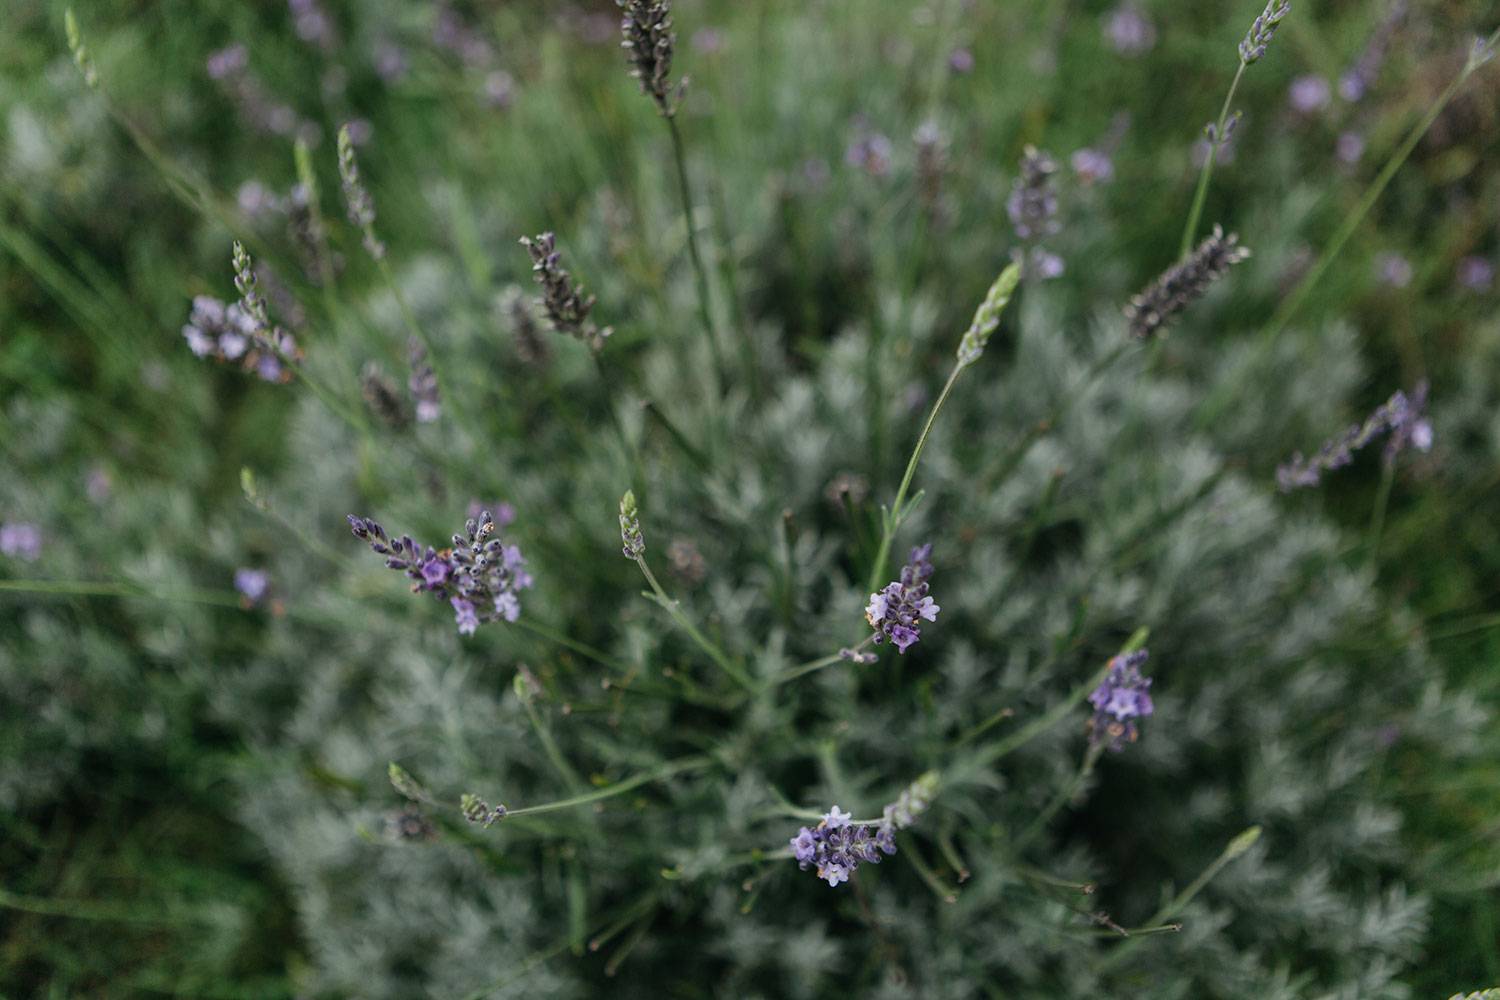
[[896, 611], [21, 540], [435, 572], [252, 584], [1121, 698], [464, 616], [837, 846]]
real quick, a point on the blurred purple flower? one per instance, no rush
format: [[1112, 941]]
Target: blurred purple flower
[[1128, 30], [870, 152], [1403, 417], [961, 60], [1476, 274], [1093, 166], [708, 41], [252, 585], [1393, 269], [1308, 94], [1350, 147], [21, 540]]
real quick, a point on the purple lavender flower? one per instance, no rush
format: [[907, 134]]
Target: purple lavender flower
[[1308, 94], [312, 23], [708, 41], [1121, 698], [648, 41], [836, 847], [1476, 274], [1349, 147], [1263, 29], [423, 384], [563, 299], [226, 332], [1032, 205], [896, 613], [1393, 269], [870, 152], [1128, 30], [21, 540], [390, 60], [1093, 166], [961, 60], [480, 577], [1355, 83], [253, 585], [1403, 417], [1183, 284]]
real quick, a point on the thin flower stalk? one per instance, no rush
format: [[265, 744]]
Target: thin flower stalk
[[1250, 50], [634, 548], [970, 348]]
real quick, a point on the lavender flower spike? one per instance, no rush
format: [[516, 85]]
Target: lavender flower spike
[[357, 200], [1262, 30], [634, 543], [1403, 417], [648, 42], [1121, 698], [987, 316], [563, 299], [480, 577], [1183, 284], [836, 847], [896, 613]]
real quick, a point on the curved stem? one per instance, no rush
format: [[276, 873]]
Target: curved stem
[[893, 518], [619, 788], [716, 654], [700, 276], [1377, 518], [803, 669], [1201, 194]]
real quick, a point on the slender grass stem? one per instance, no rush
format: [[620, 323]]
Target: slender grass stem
[[618, 788], [1236, 847], [1213, 407], [700, 275], [1377, 517], [893, 517], [792, 673], [1061, 799], [549, 746], [1200, 196], [720, 658]]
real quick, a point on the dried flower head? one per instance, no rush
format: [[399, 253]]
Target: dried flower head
[[1403, 418], [516, 309], [987, 316], [563, 299], [648, 41], [896, 613], [480, 577], [410, 824], [1183, 284], [836, 846], [633, 542], [1121, 698], [357, 200], [1263, 29]]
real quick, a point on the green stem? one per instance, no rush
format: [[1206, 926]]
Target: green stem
[[892, 519], [552, 635], [792, 673], [683, 622], [549, 745], [619, 788], [1062, 798], [1239, 845], [700, 275], [1201, 194], [1214, 406], [1377, 519]]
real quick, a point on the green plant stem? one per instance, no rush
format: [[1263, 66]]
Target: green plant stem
[[1377, 518], [1214, 406], [700, 275], [1238, 846], [1062, 798], [891, 521], [618, 788], [1200, 196], [792, 673], [716, 654], [942, 891], [552, 635], [549, 745]]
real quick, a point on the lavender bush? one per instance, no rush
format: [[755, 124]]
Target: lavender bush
[[846, 505]]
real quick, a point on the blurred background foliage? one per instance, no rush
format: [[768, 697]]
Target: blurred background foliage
[[193, 792]]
